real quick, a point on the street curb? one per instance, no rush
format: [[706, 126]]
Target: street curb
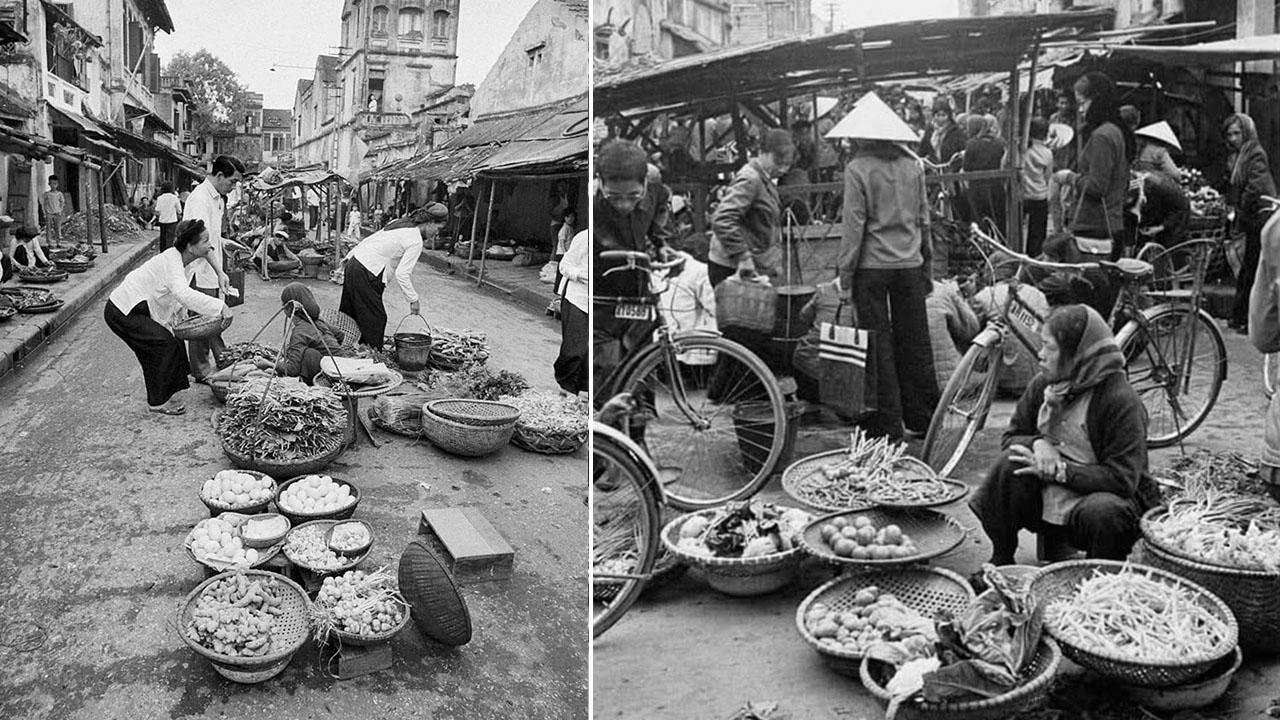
[[32, 331], [455, 265]]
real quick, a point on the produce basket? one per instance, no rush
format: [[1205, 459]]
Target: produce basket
[[1191, 696], [298, 518], [216, 508], [381, 584], [270, 541], [1252, 595], [7, 313], [740, 577], [287, 636], [236, 519], [354, 551], [48, 307], [466, 440], [452, 351], [1060, 581], [47, 275], [323, 526], [73, 266], [222, 389], [283, 468], [797, 473], [1032, 694], [932, 532], [547, 442], [923, 589], [480, 413], [200, 327]]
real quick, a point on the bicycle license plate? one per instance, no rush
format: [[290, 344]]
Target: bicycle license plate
[[633, 311], [1025, 318]]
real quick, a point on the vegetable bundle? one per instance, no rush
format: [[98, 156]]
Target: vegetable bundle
[[550, 413], [282, 419], [245, 352], [454, 350], [867, 475]]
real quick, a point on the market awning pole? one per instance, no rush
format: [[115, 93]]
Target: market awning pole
[[1031, 93], [102, 222], [1013, 208], [488, 225], [471, 250], [475, 223]]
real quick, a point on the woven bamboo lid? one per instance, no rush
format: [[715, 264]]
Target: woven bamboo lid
[[437, 607]]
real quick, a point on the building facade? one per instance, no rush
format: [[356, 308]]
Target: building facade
[[756, 21], [277, 137], [544, 61], [639, 31]]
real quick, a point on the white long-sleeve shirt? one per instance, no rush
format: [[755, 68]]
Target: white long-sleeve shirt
[[162, 282], [207, 204], [387, 249], [575, 271]]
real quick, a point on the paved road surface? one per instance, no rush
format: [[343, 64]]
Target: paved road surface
[[99, 494]]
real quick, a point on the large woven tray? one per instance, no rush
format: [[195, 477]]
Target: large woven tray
[[923, 589], [51, 306], [1060, 581], [475, 412], [932, 532], [742, 577], [547, 442], [286, 469]]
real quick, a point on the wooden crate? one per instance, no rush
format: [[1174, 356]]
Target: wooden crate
[[472, 549]]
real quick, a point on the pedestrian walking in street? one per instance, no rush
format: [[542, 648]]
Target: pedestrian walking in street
[[142, 309], [984, 151], [573, 365], [746, 227], [1075, 464], [310, 338], [1037, 168], [168, 213], [53, 202], [1066, 116], [393, 251], [207, 204], [1250, 180], [884, 260]]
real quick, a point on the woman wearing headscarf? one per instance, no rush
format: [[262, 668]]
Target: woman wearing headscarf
[[310, 339], [141, 309], [1250, 180], [984, 151], [1075, 463]]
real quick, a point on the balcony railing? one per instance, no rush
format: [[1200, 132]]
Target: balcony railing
[[365, 118]]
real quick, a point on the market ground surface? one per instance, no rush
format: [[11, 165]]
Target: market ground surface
[[101, 494], [685, 651]]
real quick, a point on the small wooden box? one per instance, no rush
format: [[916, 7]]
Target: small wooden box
[[351, 661], [470, 547]]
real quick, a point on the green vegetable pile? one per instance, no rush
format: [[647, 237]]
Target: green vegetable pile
[[245, 351], [281, 419]]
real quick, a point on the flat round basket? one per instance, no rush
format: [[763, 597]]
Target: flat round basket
[[323, 526], [740, 577], [298, 518], [200, 327], [475, 412], [1060, 582], [285, 468], [465, 440], [801, 469], [43, 278], [1030, 695], [927, 490], [923, 589], [236, 519], [72, 266], [217, 508], [360, 391], [932, 532], [288, 633], [348, 638], [1251, 594], [547, 442], [48, 307]]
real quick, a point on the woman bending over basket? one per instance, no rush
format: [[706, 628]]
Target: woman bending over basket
[[310, 339], [1075, 468], [142, 308]]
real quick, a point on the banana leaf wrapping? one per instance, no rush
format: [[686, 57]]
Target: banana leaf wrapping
[[282, 419]]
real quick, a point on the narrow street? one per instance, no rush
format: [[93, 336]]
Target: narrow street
[[101, 493], [686, 651]]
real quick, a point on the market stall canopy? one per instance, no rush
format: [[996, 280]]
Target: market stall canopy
[[714, 82], [1260, 47], [559, 143], [39, 148], [294, 179]]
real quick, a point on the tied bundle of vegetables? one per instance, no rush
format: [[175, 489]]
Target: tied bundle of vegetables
[[282, 419], [743, 530], [251, 352], [866, 470], [1136, 617], [1222, 528], [550, 413]]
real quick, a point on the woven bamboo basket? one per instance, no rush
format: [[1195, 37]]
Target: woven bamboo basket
[[344, 323], [923, 589], [349, 638], [235, 519], [201, 327], [217, 508], [475, 412], [72, 266], [1033, 694], [222, 389], [288, 633], [1252, 595], [1059, 581], [298, 518], [348, 563], [267, 542], [400, 414], [739, 577], [283, 468], [466, 440], [547, 442]]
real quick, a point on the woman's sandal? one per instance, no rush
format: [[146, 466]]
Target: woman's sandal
[[167, 409]]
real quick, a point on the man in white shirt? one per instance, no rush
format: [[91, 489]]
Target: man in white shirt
[[168, 213], [370, 265], [206, 203]]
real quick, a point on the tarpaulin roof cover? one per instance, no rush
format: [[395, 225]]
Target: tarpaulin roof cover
[[714, 82], [1259, 47], [293, 179]]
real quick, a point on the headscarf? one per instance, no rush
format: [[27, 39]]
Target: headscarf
[[1250, 133], [298, 293], [1088, 355]]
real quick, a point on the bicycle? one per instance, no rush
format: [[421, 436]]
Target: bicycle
[[1159, 345], [713, 418]]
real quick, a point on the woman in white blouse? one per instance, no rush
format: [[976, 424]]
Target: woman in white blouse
[[144, 306], [572, 367], [394, 250]]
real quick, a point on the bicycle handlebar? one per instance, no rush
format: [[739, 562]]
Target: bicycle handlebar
[[1027, 259], [635, 260]]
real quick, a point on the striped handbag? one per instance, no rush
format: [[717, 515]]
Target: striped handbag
[[847, 380]]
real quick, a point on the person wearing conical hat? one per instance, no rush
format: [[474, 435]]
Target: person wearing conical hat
[[884, 261], [1154, 143]]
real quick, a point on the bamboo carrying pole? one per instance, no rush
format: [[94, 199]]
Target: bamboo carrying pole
[[488, 225]]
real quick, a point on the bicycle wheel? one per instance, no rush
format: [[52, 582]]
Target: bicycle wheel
[[1176, 362], [962, 409], [625, 525], [1270, 373], [713, 422]]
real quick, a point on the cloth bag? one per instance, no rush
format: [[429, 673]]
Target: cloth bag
[[746, 305], [846, 380]]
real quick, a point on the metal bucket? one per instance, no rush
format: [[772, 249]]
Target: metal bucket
[[787, 326], [412, 350], [311, 266]]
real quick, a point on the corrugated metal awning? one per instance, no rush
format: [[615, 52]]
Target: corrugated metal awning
[[1260, 47]]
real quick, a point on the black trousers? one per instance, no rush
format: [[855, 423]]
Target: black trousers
[[1248, 269], [573, 366], [162, 356], [168, 233], [362, 301], [1037, 214], [1104, 525], [891, 303]]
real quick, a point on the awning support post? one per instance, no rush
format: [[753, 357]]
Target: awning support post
[[488, 225], [1013, 207], [102, 221]]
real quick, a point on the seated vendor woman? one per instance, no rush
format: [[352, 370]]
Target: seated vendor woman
[[274, 257], [29, 251], [1075, 463], [311, 338]]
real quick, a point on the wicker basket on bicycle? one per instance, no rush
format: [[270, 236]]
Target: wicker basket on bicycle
[[760, 542]]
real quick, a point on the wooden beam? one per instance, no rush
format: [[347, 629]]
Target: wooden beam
[[1013, 155]]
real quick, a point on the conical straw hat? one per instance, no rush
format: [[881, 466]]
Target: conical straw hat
[[871, 119], [1159, 131]]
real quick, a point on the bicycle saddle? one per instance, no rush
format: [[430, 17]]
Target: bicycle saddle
[[1131, 268]]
